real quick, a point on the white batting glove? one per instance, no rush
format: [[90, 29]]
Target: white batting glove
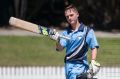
[[55, 35], [93, 68], [93, 62]]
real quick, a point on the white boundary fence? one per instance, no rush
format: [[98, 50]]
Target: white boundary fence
[[51, 73]]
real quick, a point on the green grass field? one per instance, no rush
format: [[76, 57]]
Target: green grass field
[[40, 51]]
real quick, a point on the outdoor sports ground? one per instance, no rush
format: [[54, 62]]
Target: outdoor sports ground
[[35, 53], [40, 51]]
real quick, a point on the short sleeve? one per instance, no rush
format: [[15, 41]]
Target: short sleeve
[[92, 40], [62, 41]]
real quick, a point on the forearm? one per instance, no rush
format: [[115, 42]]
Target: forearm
[[94, 53], [59, 47]]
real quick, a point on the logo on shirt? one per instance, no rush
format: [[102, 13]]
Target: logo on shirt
[[79, 37]]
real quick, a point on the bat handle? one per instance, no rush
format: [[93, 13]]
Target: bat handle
[[61, 36]]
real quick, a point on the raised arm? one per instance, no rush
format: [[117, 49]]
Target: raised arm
[[59, 47]]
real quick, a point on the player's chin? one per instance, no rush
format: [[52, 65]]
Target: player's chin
[[72, 22]]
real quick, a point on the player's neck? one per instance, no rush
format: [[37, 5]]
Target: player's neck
[[75, 26]]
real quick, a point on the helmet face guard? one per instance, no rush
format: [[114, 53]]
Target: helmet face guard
[[92, 71]]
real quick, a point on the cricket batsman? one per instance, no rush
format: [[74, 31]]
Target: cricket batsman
[[81, 37]]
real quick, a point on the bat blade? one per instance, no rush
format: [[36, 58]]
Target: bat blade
[[24, 25]]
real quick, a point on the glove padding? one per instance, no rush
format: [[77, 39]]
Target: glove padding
[[54, 35], [93, 68]]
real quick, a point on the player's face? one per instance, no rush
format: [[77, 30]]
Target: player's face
[[71, 16]]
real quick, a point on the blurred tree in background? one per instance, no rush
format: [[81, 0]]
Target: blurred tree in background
[[4, 11], [100, 14]]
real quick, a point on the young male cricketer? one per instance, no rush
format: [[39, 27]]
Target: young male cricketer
[[81, 37]]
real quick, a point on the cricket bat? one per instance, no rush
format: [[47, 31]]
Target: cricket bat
[[32, 27]]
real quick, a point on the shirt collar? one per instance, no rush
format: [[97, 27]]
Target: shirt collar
[[81, 28]]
